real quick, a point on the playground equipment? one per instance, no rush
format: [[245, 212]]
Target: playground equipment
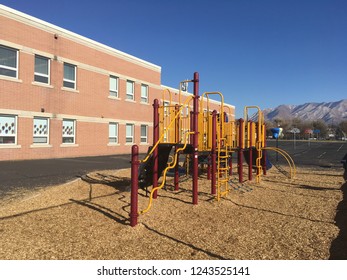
[[203, 132]]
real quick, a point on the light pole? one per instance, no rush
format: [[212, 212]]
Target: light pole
[[294, 131]]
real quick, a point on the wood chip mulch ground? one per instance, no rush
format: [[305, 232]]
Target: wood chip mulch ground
[[278, 218]]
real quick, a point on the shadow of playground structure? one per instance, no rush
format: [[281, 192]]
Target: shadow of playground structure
[[338, 249]]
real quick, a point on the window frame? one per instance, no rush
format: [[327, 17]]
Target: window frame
[[9, 68], [47, 133], [65, 80], [12, 135], [129, 137], [144, 138], [130, 95], [116, 91], [144, 99], [48, 76], [73, 136], [116, 133]]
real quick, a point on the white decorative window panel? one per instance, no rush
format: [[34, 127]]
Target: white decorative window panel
[[8, 132], [69, 131], [41, 131]]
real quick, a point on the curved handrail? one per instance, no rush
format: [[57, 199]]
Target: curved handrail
[[170, 166], [170, 95], [287, 157]]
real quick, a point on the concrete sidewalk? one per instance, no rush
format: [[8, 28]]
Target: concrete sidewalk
[[30, 174]]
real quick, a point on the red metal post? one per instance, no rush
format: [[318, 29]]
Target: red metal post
[[155, 140], [209, 167], [134, 185], [250, 165], [240, 151], [264, 151], [213, 152], [195, 138]]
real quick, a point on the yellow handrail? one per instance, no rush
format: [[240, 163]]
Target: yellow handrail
[[169, 166], [171, 123], [170, 95], [287, 157]]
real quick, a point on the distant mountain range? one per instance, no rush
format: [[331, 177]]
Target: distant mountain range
[[330, 112]]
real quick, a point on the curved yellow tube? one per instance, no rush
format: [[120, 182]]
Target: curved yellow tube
[[170, 166], [287, 157]]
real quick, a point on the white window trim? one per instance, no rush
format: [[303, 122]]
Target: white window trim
[[68, 80], [147, 91], [116, 96], [131, 136], [43, 75], [116, 136], [11, 68], [130, 94], [144, 137]]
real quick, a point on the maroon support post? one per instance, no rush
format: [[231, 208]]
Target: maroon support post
[[240, 151], [213, 152], [155, 140], [264, 154], [195, 138], [250, 165], [134, 185], [231, 164], [209, 167]]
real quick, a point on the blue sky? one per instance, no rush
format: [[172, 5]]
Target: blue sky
[[256, 52]]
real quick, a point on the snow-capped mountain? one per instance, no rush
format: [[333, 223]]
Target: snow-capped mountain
[[330, 112]]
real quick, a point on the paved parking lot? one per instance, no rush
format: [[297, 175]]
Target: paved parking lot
[[37, 173], [314, 153]]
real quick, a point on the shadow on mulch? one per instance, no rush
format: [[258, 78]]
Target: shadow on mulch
[[119, 183], [338, 249]]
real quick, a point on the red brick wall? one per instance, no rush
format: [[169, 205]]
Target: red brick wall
[[89, 104]]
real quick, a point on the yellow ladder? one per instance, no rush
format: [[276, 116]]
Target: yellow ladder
[[222, 168], [258, 160]]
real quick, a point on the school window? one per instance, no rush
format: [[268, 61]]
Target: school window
[[130, 90], [113, 86], [113, 133], [42, 65], [144, 93], [166, 108], [41, 130], [69, 76], [8, 131], [144, 134], [68, 132], [129, 133], [8, 62]]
